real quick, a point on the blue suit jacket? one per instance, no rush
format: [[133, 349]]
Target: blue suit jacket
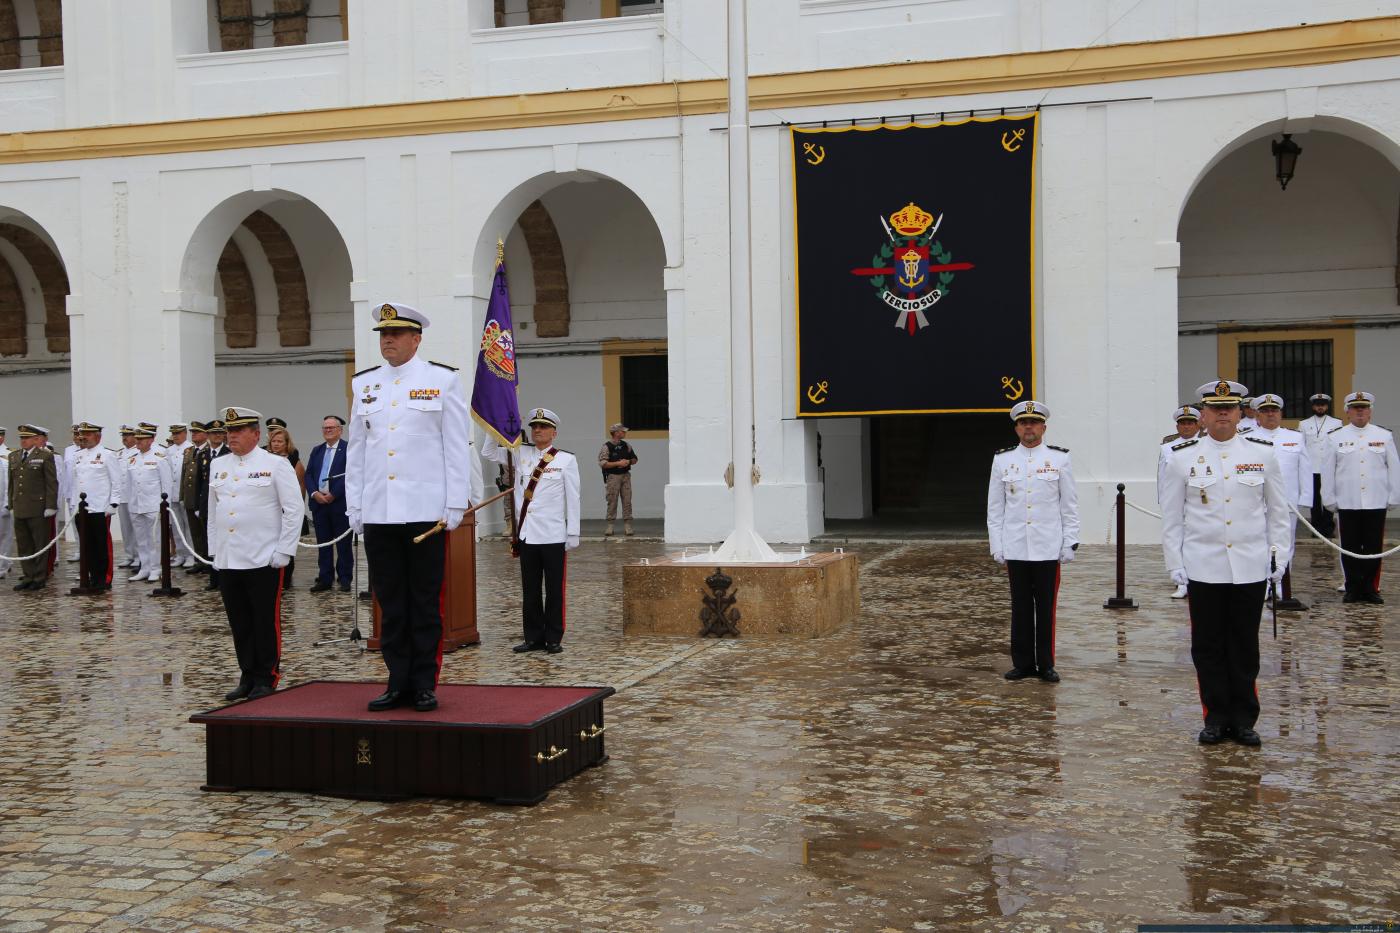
[[336, 480]]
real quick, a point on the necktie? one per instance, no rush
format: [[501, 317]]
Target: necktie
[[326, 467]]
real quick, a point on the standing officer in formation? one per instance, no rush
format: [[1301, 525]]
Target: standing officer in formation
[[1033, 527], [1314, 429], [68, 495], [407, 468], [1360, 480], [215, 447], [97, 475], [547, 527], [254, 521], [1291, 449], [188, 481], [1224, 510], [175, 456], [1188, 425], [33, 501], [1247, 420], [7, 520], [147, 479], [131, 556], [325, 488]]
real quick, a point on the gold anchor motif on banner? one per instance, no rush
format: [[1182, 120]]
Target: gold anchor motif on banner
[[1014, 143], [818, 153], [1014, 387], [816, 394]]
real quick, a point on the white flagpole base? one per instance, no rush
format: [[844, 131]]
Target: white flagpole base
[[745, 547]]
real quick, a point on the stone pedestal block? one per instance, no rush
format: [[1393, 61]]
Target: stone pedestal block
[[806, 599]]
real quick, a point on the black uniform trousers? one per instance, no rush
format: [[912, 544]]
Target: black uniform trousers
[[543, 609], [331, 522], [1035, 586], [1321, 518], [95, 543], [407, 581], [199, 537], [1362, 532], [253, 602], [1225, 649]]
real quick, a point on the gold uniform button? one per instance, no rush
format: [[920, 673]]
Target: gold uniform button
[[397, 381], [1228, 544], [391, 453], [391, 475], [1228, 522], [393, 404]]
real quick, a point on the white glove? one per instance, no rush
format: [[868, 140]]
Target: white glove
[[50, 513], [357, 522], [1066, 554], [571, 543], [279, 560], [1179, 577], [1331, 508], [452, 518], [111, 508], [999, 557], [1276, 578]]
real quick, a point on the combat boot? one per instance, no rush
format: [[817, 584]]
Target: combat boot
[[608, 532]]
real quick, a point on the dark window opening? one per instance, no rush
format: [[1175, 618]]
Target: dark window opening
[[645, 401], [1291, 369]]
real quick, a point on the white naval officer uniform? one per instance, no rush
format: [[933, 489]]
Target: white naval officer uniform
[[99, 476], [68, 497], [175, 456], [1291, 450], [147, 477], [1360, 480]]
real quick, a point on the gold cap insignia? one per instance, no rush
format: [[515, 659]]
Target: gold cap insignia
[[388, 313], [1222, 388], [230, 414]]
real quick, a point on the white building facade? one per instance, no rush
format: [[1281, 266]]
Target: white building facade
[[187, 227]]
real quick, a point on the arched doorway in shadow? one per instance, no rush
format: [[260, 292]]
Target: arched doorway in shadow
[[34, 343]]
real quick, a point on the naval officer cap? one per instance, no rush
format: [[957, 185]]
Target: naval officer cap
[[146, 429], [1320, 397], [394, 316], [1222, 392], [1360, 400], [87, 427], [1030, 409], [1186, 413], [215, 427], [32, 430], [276, 423], [199, 427], [178, 427], [235, 417], [127, 430], [1267, 400], [545, 417]]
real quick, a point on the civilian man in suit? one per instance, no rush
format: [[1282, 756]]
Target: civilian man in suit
[[325, 485]]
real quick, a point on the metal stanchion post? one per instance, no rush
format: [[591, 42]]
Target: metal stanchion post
[[1288, 602], [165, 589], [354, 635], [1119, 600]]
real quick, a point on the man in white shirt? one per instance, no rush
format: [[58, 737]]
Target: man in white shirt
[[98, 480], [130, 551], [69, 492], [1033, 527], [1247, 422], [1314, 429], [1188, 425], [254, 522], [175, 456], [1360, 480], [1223, 513], [547, 528], [1292, 452], [147, 479]]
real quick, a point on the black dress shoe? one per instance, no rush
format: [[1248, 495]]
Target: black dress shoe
[[424, 701], [37, 584], [1374, 598], [1211, 735], [525, 646], [1247, 736], [261, 690], [1019, 673], [388, 700], [345, 587], [21, 586], [554, 648], [1049, 676], [211, 586], [237, 693], [320, 587], [1351, 598]]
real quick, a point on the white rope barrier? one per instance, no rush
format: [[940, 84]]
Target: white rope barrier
[[1141, 509], [337, 539], [43, 550], [180, 532]]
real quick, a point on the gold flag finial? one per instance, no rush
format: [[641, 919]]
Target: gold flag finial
[[500, 251]]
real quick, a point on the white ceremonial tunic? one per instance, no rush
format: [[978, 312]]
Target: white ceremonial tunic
[[553, 515], [408, 454], [1223, 508], [66, 486], [1291, 450], [175, 456], [254, 510], [1032, 505], [1314, 430], [98, 473], [1360, 468], [147, 476]]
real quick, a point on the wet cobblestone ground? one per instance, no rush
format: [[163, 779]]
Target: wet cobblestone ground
[[885, 777]]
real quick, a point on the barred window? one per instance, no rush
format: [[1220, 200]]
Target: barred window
[[1291, 369], [645, 403]]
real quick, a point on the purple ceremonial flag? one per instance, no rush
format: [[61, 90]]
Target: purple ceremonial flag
[[494, 404]]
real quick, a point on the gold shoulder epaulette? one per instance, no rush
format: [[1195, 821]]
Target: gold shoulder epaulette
[[1336, 429], [1007, 450], [1185, 444], [1063, 450], [1260, 440], [443, 365], [363, 371]]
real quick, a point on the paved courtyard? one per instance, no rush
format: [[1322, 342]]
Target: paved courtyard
[[885, 777]]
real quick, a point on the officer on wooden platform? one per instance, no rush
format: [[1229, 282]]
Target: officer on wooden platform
[[33, 501], [1224, 510], [1360, 480], [407, 469], [1033, 527], [254, 521], [97, 475]]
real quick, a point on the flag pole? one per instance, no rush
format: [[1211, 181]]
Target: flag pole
[[743, 543]]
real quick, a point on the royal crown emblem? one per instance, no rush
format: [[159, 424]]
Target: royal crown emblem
[[912, 271], [498, 350], [388, 313]]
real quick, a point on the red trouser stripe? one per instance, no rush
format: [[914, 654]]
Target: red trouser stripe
[[277, 626]]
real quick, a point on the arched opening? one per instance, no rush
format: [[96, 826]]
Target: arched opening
[[584, 260], [279, 272], [1293, 291], [31, 34], [34, 344]]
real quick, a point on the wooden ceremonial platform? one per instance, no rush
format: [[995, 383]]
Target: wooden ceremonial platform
[[507, 744]]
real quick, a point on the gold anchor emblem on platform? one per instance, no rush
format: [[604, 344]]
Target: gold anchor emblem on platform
[[817, 153], [363, 756], [1014, 142], [1014, 387], [816, 394]]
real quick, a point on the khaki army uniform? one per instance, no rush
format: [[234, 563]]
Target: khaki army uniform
[[33, 492]]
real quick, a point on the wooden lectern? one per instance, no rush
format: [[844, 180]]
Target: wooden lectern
[[459, 596]]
